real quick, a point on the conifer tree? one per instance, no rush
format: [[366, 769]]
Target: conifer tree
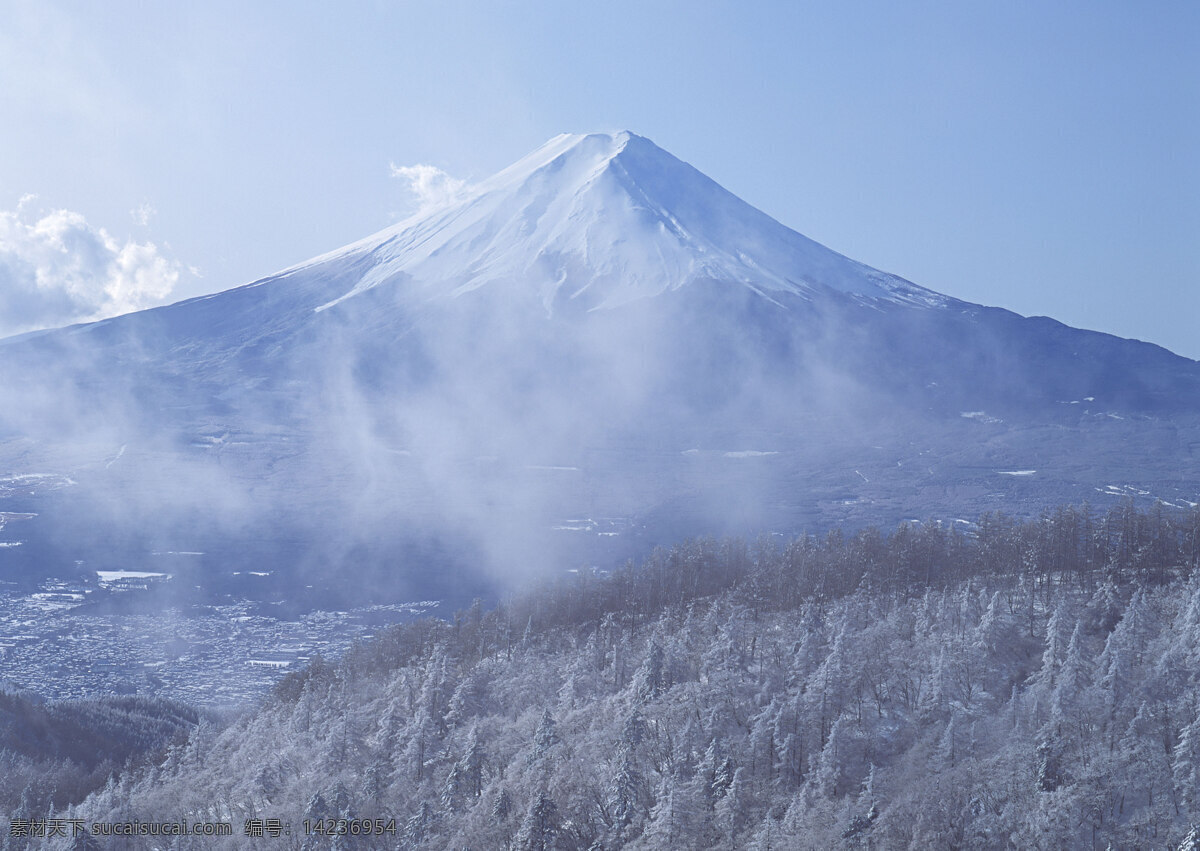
[[540, 827]]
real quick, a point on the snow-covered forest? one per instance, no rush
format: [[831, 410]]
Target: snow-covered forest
[[1005, 684]]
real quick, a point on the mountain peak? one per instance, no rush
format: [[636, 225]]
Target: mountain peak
[[600, 220], [598, 148]]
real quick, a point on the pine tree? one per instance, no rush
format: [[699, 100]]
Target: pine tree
[[675, 820], [318, 808], [1185, 766], [423, 740], [1049, 764], [714, 771], [419, 825], [732, 811], [834, 758], [790, 767], [767, 837], [870, 801], [377, 778], [452, 790], [633, 730], [1069, 702], [502, 806], [947, 750], [1055, 649], [648, 680], [545, 738], [1149, 786], [762, 745], [467, 701], [540, 827], [473, 762], [627, 795]]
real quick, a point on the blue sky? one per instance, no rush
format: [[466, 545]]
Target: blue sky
[[1036, 156]]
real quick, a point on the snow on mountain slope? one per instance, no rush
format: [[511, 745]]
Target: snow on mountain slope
[[606, 220]]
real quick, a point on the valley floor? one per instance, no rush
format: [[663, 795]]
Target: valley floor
[[54, 645]]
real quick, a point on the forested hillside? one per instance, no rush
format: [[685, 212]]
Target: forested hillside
[[1010, 685], [54, 753]]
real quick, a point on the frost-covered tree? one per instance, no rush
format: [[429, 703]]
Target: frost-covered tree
[[540, 827], [1185, 766], [545, 738], [422, 741], [627, 795], [419, 826]]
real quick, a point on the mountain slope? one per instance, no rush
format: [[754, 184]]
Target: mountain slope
[[597, 350]]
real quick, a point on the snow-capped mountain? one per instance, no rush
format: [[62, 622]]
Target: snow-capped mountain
[[593, 351], [604, 220]]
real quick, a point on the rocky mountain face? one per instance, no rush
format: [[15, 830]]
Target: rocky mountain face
[[594, 351]]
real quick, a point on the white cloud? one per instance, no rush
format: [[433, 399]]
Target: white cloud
[[58, 269], [143, 213], [431, 186]]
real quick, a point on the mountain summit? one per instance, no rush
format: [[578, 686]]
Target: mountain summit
[[594, 351], [603, 220]]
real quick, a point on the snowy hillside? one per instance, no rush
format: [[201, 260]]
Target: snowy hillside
[[1030, 687]]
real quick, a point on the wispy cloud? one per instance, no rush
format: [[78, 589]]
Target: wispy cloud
[[143, 213], [56, 269], [429, 185]]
